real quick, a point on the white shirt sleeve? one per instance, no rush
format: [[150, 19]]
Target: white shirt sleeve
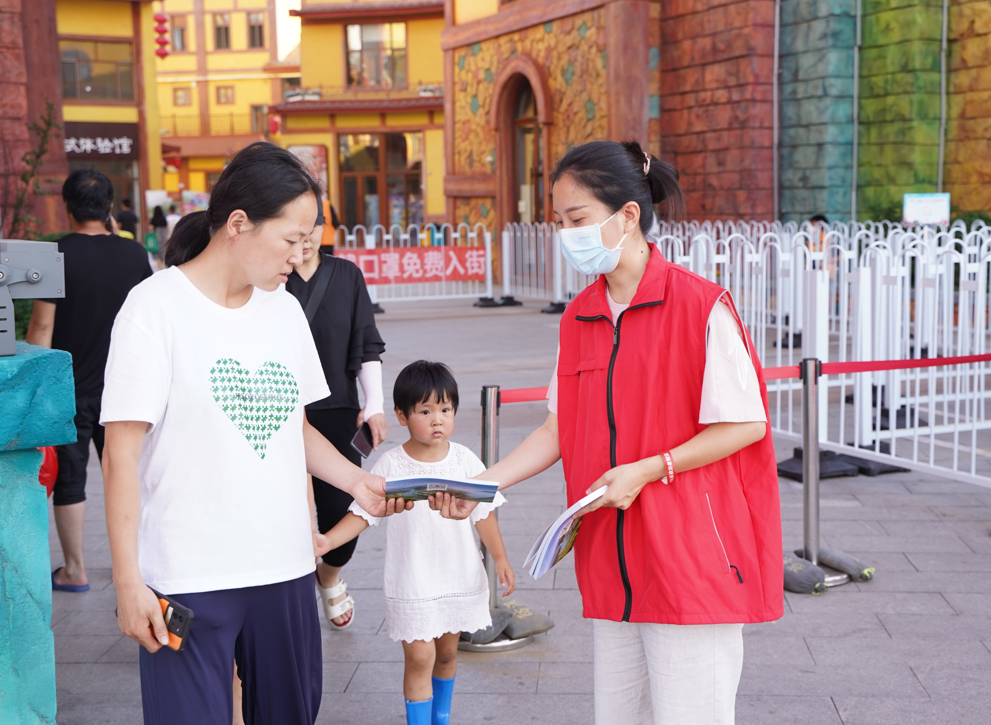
[[138, 376], [730, 391], [313, 383], [370, 380]]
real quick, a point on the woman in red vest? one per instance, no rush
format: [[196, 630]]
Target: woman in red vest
[[658, 394]]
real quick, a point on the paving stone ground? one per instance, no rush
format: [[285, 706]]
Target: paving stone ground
[[913, 646]]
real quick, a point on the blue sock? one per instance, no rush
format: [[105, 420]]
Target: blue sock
[[418, 713], [443, 692]]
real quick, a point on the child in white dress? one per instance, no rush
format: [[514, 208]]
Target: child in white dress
[[435, 583]]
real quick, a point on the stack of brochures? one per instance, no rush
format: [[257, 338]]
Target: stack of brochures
[[417, 488], [555, 543]]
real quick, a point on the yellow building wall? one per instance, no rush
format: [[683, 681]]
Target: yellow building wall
[[207, 163], [197, 181], [247, 93], [406, 120], [175, 6], [152, 143], [94, 17], [209, 5], [322, 55], [358, 120], [433, 142], [100, 114], [177, 62], [166, 99], [467, 10], [222, 60], [294, 122], [424, 57], [170, 182]]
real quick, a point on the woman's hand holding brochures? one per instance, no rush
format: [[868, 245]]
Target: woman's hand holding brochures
[[555, 543]]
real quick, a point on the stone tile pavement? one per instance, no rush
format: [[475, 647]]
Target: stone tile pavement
[[911, 646]]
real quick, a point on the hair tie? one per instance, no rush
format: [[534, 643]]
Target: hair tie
[[646, 167]]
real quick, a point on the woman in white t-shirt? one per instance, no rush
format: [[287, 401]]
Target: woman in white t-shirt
[[207, 451]]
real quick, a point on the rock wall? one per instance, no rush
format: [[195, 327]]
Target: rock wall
[[967, 168], [816, 93], [717, 60]]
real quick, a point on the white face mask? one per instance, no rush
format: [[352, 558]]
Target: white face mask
[[582, 247]]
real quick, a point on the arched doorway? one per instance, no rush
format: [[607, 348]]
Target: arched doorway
[[521, 117], [528, 156]]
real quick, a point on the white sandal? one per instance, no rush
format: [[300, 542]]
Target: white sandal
[[336, 610]]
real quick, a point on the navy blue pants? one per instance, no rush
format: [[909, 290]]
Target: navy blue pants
[[273, 631]]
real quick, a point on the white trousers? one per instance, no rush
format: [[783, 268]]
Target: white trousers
[[666, 674]]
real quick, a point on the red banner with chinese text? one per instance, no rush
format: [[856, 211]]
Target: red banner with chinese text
[[409, 265]]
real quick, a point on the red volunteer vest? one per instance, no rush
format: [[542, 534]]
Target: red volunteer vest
[[706, 549]]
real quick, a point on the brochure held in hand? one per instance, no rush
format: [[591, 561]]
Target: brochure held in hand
[[417, 488], [555, 543]]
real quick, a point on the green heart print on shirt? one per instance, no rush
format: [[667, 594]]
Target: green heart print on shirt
[[257, 404]]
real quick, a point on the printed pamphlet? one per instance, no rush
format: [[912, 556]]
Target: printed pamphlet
[[417, 488], [555, 543]]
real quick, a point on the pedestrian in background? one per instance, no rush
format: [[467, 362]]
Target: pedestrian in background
[[171, 219], [159, 225], [100, 270], [335, 301], [127, 219]]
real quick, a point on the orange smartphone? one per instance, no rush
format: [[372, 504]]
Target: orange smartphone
[[178, 620]]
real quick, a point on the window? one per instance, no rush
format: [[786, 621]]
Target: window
[[181, 97], [256, 30], [376, 54], [222, 31], [225, 95], [381, 179], [97, 70], [178, 33]]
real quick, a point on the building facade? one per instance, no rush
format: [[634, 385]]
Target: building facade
[[94, 61], [368, 115], [222, 73]]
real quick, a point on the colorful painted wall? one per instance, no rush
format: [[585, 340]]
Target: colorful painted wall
[[967, 169], [816, 87], [716, 104], [573, 52]]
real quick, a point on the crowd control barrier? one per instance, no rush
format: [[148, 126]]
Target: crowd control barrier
[[930, 448], [420, 263]]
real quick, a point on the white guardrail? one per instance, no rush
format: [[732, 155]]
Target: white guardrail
[[839, 293]]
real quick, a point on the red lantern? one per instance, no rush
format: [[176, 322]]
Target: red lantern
[[162, 31]]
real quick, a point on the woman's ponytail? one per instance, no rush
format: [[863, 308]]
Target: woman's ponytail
[[617, 173], [189, 238]]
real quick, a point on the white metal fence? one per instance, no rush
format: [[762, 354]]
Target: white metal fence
[[847, 292], [420, 263]]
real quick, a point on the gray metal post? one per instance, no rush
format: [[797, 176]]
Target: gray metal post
[[490, 454], [811, 369]]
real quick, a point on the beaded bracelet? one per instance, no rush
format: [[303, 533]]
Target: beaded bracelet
[[669, 462]]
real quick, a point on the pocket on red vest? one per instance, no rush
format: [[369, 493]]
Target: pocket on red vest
[[723, 556]]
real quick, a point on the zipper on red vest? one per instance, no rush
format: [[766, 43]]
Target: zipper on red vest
[[620, 513]]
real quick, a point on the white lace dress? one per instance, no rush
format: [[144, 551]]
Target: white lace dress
[[434, 578]]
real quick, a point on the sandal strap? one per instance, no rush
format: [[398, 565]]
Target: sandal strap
[[340, 609], [334, 591]]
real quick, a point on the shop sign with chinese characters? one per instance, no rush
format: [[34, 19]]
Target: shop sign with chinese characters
[[409, 265], [101, 140]]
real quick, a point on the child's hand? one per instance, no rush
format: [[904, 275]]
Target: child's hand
[[321, 544], [507, 577]]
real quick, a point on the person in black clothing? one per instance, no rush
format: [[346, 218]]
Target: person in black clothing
[[350, 347], [127, 219], [100, 270]]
